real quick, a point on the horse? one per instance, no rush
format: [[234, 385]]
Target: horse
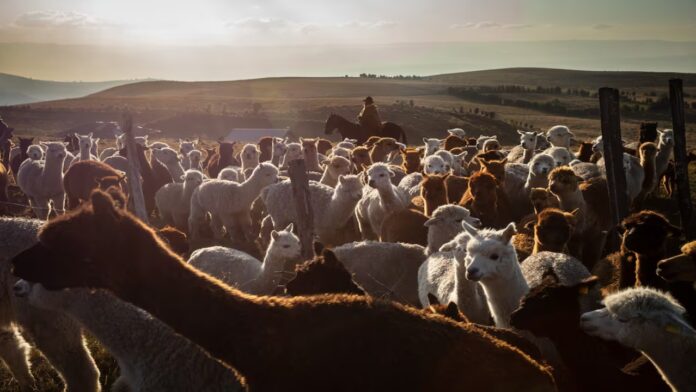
[[352, 130]]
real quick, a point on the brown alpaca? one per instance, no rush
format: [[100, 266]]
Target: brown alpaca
[[647, 152], [17, 160], [371, 141], [361, 158], [324, 146], [584, 153], [209, 153], [381, 149], [433, 190], [151, 182], [552, 231], [407, 226], [496, 168], [311, 155], [223, 157], [542, 199], [486, 201], [412, 161], [322, 275], [176, 239], [456, 187], [310, 342], [494, 155], [160, 171], [681, 267], [266, 147], [85, 176], [453, 141]]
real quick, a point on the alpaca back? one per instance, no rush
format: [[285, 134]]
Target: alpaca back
[[232, 266]]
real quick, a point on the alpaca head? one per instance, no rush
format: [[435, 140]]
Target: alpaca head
[[85, 247], [294, 152], [598, 145], [434, 164], [554, 227], [681, 267], [561, 155], [186, 146], [482, 139], [483, 187], [226, 150], [379, 176], [278, 148], [229, 174], [645, 232], [35, 152], [666, 138], [324, 274], [250, 155], [341, 152], [386, 144], [84, 141], [412, 159], [489, 253], [309, 147], [166, 155], [431, 145], [553, 310], [542, 199], [458, 132], [361, 156], [647, 151], [494, 167], [541, 165], [195, 157], [175, 239], [528, 140], [193, 178], [37, 295], [285, 245], [637, 317], [323, 146], [433, 189], [451, 310], [25, 142], [55, 151], [265, 173], [352, 143], [349, 187], [492, 145], [338, 166], [563, 180], [559, 136], [446, 222]]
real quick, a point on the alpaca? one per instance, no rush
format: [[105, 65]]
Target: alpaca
[[559, 136], [634, 173], [552, 230], [334, 168], [665, 149], [456, 187], [443, 354], [434, 164], [194, 158], [185, 147], [491, 145], [294, 152], [310, 154], [384, 269], [341, 152], [377, 203], [150, 359], [680, 267], [85, 143], [151, 182], [457, 132], [231, 174], [382, 148], [412, 161], [324, 146], [405, 226], [585, 152], [496, 168], [360, 157], [54, 334], [352, 143], [485, 201], [171, 160], [333, 207], [445, 223], [175, 239], [442, 274], [567, 270], [35, 152], [454, 141], [561, 155], [42, 181], [647, 153], [652, 322], [410, 184], [482, 139], [250, 157], [542, 199], [539, 168], [585, 170], [174, 199], [223, 157], [228, 202], [322, 276], [433, 192], [85, 176], [278, 151], [491, 260], [21, 155], [523, 152], [266, 148], [431, 145], [238, 269]]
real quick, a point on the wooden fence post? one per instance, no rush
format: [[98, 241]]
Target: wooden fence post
[[5, 136], [303, 206], [133, 174], [613, 155], [676, 100]]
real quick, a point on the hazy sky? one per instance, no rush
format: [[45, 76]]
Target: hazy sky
[[159, 23]]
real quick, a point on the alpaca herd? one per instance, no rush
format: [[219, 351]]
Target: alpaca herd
[[459, 264]]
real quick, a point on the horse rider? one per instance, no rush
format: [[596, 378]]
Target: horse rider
[[369, 117]]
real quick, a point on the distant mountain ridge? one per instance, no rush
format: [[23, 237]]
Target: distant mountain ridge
[[15, 90]]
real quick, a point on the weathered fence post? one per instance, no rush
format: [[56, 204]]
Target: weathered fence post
[[303, 206], [5, 136], [613, 156], [676, 100], [133, 174]]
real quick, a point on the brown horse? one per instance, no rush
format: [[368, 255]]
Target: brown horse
[[352, 130]]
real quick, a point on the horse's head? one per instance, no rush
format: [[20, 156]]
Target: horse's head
[[330, 124]]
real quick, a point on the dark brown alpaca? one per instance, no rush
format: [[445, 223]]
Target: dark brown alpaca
[[266, 146], [160, 171], [486, 201], [324, 146], [496, 168], [381, 149], [176, 239], [322, 275], [584, 153], [456, 187], [17, 160], [223, 157], [151, 182], [85, 176], [361, 158], [433, 191], [412, 161], [453, 141], [311, 342], [552, 231], [407, 226], [553, 311], [209, 153]]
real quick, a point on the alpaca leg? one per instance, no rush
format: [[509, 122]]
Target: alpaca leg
[[40, 207], [195, 220], [14, 351], [265, 232], [216, 225], [59, 203], [365, 229]]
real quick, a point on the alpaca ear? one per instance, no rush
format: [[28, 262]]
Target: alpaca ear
[[391, 173], [587, 284], [432, 299], [340, 178], [520, 132], [530, 225], [676, 325], [549, 278], [452, 311], [290, 227], [329, 256], [274, 235], [471, 230], [318, 248], [432, 221], [425, 140], [508, 232], [103, 204]]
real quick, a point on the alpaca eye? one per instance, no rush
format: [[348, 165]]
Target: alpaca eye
[[381, 175], [286, 246], [458, 220], [494, 256]]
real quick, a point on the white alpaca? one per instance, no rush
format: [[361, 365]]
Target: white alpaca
[[294, 151], [173, 200], [229, 202], [333, 208], [568, 270], [333, 169], [460, 164], [482, 139], [491, 260], [445, 223], [185, 147], [431, 145], [524, 152], [458, 132], [231, 174], [95, 148], [121, 141], [410, 184], [653, 323], [633, 172], [347, 143], [561, 155], [585, 170], [434, 164], [442, 274], [311, 156], [42, 181], [195, 158], [35, 152], [250, 157], [245, 272], [665, 149], [278, 150], [85, 143], [117, 162], [384, 269], [492, 145], [340, 152], [378, 202], [150, 354], [447, 157], [559, 136], [171, 160], [539, 168]]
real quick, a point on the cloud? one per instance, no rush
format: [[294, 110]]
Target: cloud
[[517, 26], [490, 25], [309, 29], [381, 24], [62, 19], [601, 26], [260, 24]]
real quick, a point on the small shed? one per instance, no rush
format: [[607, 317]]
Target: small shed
[[252, 135]]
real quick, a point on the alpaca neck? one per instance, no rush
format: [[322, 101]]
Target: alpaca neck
[[389, 199], [539, 247], [176, 171], [673, 355], [528, 154], [187, 193], [328, 178], [648, 164], [432, 205], [312, 162], [52, 173], [249, 190], [84, 153], [505, 293], [249, 164], [271, 268], [378, 154], [646, 265], [340, 210]]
